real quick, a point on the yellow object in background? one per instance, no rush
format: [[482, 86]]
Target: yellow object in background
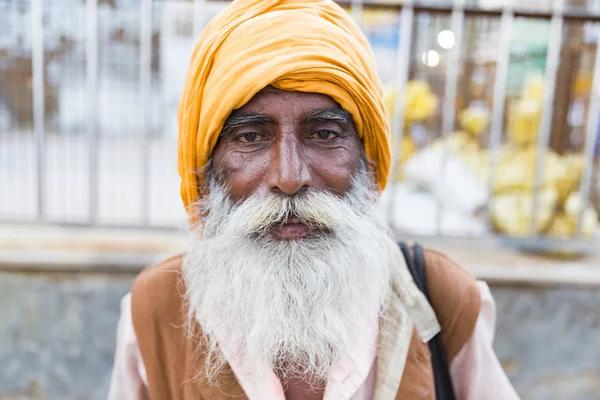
[[474, 120], [517, 167], [459, 142], [511, 206], [589, 218], [420, 104], [389, 101], [526, 113], [564, 225], [420, 101], [517, 170], [407, 149], [583, 84], [533, 89], [511, 212], [513, 187], [524, 122], [569, 182]]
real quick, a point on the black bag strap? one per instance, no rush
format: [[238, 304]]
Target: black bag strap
[[441, 372]]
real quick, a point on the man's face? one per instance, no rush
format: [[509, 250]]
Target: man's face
[[286, 143]]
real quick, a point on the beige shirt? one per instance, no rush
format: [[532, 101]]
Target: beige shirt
[[476, 372]]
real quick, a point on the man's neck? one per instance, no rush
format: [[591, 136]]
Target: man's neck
[[297, 389]]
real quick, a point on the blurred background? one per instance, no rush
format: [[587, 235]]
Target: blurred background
[[494, 111]]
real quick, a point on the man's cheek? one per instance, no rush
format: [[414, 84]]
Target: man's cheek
[[334, 174]]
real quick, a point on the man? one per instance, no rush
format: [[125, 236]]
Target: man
[[293, 287]]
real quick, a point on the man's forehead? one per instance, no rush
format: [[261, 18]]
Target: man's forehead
[[240, 117], [270, 97], [270, 103]]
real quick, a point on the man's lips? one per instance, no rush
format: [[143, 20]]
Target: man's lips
[[291, 228]]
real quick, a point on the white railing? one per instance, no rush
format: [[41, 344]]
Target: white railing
[[127, 176]]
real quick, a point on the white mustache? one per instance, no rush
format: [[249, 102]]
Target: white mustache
[[255, 216], [319, 210]]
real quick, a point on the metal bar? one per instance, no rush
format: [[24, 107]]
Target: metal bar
[[591, 139], [474, 11], [452, 70], [199, 17], [450, 92], [552, 63], [567, 15], [37, 59], [501, 75], [357, 12], [403, 63], [405, 30], [91, 17], [145, 93], [10, 179]]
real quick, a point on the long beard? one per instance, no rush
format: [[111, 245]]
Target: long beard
[[298, 305]]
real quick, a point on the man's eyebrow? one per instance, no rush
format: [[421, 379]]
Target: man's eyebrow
[[235, 121], [334, 115]]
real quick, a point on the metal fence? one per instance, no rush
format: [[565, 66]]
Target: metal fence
[[89, 92]]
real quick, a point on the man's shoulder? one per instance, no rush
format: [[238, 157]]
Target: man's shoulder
[[455, 297], [441, 269], [161, 273], [158, 289]]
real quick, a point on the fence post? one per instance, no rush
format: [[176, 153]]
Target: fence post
[[591, 138], [145, 95], [91, 18], [199, 17], [552, 61], [450, 91], [501, 75], [357, 12], [405, 30], [37, 60]]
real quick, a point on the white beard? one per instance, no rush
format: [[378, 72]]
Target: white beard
[[299, 304]]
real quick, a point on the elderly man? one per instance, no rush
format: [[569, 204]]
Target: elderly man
[[293, 287]]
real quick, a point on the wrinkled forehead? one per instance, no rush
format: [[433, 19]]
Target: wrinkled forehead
[[270, 96], [279, 105]]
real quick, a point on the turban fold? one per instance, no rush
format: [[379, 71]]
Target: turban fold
[[294, 45]]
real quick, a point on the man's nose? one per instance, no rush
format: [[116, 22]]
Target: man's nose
[[289, 172]]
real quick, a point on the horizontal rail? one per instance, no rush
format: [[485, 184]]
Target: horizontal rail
[[569, 15]]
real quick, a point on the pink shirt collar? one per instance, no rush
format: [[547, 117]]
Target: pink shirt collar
[[352, 377]]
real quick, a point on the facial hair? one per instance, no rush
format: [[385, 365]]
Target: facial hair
[[297, 305]]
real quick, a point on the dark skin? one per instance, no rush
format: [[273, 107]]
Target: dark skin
[[285, 143]]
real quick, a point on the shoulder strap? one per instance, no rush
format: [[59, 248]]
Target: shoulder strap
[[441, 372]]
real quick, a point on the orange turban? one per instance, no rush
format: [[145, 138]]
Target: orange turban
[[296, 45]]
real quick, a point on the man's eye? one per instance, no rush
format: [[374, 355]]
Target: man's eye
[[248, 137], [325, 134]]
